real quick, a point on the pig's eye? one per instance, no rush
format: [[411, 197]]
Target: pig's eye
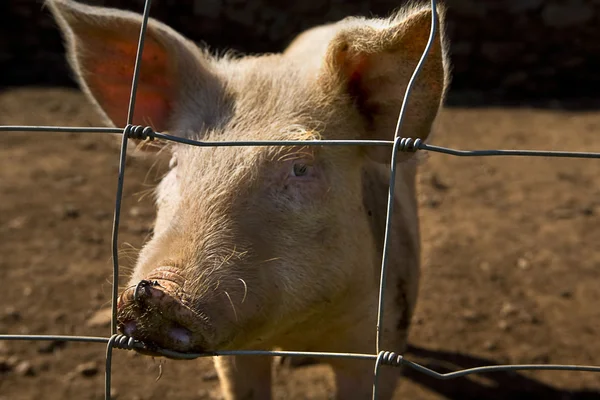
[[300, 169]]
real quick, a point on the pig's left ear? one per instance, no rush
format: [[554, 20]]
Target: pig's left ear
[[177, 80], [372, 60]]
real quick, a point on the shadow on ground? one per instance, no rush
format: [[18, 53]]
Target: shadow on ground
[[491, 386]]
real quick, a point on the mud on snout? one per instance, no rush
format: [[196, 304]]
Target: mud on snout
[[157, 311]]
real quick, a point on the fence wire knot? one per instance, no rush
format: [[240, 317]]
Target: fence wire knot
[[124, 342], [409, 144], [139, 132], [390, 358]]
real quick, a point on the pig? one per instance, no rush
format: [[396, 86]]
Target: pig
[[271, 247]]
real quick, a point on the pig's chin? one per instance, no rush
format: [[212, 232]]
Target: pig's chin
[[175, 339], [156, 312]]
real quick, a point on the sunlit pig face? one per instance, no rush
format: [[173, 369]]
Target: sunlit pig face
[[247, 241], [250, 242]]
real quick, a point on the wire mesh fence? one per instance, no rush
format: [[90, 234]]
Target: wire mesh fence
[[380, 357]]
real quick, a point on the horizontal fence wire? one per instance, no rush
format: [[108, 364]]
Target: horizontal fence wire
[[380, 357], [408, 144], [388, 358]]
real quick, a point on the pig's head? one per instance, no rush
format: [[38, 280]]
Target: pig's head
[[249, 242]]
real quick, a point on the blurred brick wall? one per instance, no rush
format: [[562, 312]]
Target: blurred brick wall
[[500, 48]]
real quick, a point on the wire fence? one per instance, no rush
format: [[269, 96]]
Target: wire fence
[[380, 357]]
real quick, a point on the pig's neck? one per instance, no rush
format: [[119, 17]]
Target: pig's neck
[[404, 250]]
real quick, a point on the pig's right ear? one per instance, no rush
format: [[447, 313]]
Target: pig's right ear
[[102, 45], [370, 61]]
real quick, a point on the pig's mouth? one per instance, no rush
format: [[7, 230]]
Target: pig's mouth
[[156, 311]]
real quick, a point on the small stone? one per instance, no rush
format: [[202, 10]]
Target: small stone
[[490, 345], [508, 309], [88, 369], [11, 314], [503, 325], [69, 211], [522, 263], [98, 295], [24, 368], [471, 316], [438, 183], [70, 376], [17, 223], [529, 318], [88, 146], [566, 294], [51, 346], [432, 202], [588, 211], [7, 364], [60, 317]]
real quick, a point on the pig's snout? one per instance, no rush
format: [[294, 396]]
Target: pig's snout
[[156, 311]]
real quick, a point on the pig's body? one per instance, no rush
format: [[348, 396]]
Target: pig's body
[[271, 247]]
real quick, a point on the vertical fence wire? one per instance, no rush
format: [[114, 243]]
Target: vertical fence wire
[[390, 204], [119, 197], [393, 168]]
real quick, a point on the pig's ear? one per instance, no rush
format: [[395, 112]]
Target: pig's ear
[[372, 61], [102, 45]]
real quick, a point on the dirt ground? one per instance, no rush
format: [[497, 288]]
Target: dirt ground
[[511, 260]]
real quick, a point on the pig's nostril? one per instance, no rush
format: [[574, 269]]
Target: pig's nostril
[[129, 328], [180, 335], [139, 288]]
